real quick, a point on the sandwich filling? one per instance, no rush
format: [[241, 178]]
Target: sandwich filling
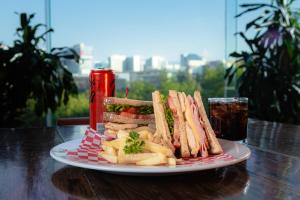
[[127, 114], [182, 124], [144, 110], [168, 113], [129, 111]]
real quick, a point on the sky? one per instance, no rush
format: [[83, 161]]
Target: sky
[[130, 27]]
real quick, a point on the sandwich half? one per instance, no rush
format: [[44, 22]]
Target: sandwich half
[[183, 126], [127, 114]]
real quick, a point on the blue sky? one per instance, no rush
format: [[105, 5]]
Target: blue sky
[[154, 27]]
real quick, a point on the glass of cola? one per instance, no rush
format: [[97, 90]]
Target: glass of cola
[[229, 117]]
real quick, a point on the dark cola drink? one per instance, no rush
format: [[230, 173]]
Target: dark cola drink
[[229, 117]]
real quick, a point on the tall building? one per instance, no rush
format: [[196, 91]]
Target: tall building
[[133, 64], [85, 57], [85, 60], [116, 62], [191, 62], [155, 62]]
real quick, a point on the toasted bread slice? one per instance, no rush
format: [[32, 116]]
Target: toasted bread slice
[[214, 145], [162, 129], [125, 101], [116, 118]]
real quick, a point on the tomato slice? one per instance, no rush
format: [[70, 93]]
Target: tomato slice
[[127, 114], [131, 110]]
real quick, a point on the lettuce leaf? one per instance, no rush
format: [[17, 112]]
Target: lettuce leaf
[[144, 110], [116, 107], [168, 113]]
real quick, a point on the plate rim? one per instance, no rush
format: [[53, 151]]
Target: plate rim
[[132, 169]]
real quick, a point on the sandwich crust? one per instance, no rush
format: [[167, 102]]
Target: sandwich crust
[[214, 145], [118, 126], [125, 101], [113, 117], [162, 129]]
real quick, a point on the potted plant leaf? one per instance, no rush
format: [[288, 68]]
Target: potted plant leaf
[[268, 73], [31, 74]]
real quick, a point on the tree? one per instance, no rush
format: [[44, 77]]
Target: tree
[[27, 72], [212, 81], [270, 69]]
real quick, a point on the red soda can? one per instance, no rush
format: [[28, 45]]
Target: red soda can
[[102, 84]]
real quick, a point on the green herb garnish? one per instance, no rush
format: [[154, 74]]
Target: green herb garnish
[[168, 113], [134, 144]]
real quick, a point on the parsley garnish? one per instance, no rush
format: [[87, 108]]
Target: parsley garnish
[[133, 143]]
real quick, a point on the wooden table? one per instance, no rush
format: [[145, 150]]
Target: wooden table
[[28, 172]]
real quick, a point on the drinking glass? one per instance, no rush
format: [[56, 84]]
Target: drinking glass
[[229, 117]]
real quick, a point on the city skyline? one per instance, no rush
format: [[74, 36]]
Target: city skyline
[[132, 63]]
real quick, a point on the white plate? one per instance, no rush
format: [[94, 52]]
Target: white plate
[[238, 152]]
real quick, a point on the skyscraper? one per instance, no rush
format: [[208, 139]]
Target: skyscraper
[[116, 62], [85, 57], [155, 62], [133, 64], [191, 61], [85, 60]]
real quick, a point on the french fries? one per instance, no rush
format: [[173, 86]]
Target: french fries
[[114, 143], [157, 159], [109, 150], [157, 148], [108, 157], [152, 153], [134, 158]]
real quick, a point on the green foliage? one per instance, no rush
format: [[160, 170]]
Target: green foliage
[[270, 70], [28, 73], [212, 84], [77, 106], [182, 81], [138, 90]]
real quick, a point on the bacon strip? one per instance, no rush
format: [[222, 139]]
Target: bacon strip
[[214, 145]]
